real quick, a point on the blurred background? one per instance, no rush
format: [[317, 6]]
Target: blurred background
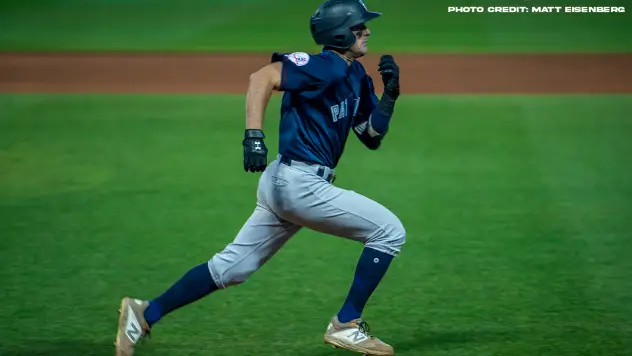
[[283, 25], [517, 207]]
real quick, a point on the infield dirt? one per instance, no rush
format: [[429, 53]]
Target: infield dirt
[[215, 73]]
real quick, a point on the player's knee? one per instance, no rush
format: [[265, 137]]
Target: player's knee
[[237, 277], [396, 235], [389, 237], [227, 274]]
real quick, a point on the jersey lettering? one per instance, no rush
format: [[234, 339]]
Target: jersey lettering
[[339, 111], [356, 105]]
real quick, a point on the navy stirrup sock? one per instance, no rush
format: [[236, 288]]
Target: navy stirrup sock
[[195, 284], [370, 269]]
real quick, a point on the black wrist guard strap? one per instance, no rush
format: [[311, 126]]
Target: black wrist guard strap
[[254, 133]]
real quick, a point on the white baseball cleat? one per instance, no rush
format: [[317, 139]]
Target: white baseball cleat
[[355, 336], [132, 326]]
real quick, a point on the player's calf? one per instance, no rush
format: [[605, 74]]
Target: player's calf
[[380, 249], [192, 286]]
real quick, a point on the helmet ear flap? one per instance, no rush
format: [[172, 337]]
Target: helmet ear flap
[[341, 39], [345, 40]]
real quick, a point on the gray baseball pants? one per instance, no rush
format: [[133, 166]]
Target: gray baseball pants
[[293, 196]]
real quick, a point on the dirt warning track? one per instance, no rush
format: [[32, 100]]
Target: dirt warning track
[[215, 73]]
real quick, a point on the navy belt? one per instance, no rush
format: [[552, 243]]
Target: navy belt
[[331, 177]]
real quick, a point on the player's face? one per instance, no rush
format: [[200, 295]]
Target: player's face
[[362, 34]]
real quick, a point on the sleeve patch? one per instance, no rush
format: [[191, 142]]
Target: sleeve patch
[[298, 58]]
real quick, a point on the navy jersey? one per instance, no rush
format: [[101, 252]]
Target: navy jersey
[[323, 98]]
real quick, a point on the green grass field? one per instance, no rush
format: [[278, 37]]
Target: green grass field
[[517, 208], [517, 211], [283, 25]]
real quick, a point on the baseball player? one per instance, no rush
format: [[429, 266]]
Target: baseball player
[[325, 96]]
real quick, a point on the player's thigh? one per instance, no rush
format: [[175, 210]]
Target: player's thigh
[[261, 236], [351, 215]]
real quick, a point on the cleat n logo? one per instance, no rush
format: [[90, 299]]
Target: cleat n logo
[[132, 332], [132, 326], [357, 336]]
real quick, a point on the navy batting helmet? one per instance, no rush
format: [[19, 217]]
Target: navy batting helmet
[[331, 22]]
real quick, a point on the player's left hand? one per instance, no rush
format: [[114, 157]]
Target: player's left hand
[[255, 151], [390, 75]]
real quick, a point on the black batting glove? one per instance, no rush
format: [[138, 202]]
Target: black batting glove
[[390, 76], [255, 151]]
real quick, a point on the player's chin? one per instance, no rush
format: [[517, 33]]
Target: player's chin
[[361, 52]]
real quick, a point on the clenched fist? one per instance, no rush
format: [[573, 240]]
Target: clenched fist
[[390, 75], [255, 151]]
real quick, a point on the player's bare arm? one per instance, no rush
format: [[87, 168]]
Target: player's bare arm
[[261, 85]]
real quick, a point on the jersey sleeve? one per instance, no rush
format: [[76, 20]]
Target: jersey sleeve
[[368, 100], [361, 127], [302, 72]]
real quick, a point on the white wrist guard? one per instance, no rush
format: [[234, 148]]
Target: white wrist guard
[[366, 127]]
